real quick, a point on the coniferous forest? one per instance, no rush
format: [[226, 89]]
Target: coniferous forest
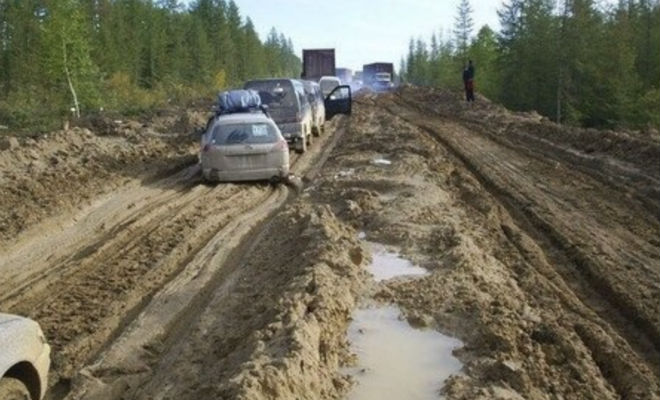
[[575, 61], [64, 57]]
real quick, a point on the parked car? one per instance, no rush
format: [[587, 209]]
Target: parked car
[[328, 84], [289, 108], [24, 359], [246, 146], [315, 97]]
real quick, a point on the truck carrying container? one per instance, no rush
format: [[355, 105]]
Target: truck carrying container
[[379, 76], [369, 71], [318, 63]]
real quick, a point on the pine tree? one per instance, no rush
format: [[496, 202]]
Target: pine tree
[[463, 27], [483, 52], [55, 55]]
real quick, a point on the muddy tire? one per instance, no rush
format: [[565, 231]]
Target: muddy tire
[[301, 146], [316, 131], [13, 389], [295, 183]]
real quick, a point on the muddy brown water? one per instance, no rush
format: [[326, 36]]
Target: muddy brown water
[[396, 361], [389, 264]]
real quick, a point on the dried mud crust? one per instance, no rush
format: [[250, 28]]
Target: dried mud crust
[[530, 331]]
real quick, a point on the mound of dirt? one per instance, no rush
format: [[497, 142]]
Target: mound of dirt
[[638, 149], [59, 172]]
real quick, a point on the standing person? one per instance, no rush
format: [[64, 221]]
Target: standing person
[[468, 81]]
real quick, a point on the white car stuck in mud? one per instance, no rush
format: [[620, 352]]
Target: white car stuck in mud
[[245, 146], [24, 359]]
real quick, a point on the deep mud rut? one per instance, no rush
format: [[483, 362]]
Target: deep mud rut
[[543, 260]]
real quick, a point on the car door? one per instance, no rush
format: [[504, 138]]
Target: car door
[[339, 101]]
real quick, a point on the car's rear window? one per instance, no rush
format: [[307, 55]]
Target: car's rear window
[[275, 93], [256, 133], [328, 85]]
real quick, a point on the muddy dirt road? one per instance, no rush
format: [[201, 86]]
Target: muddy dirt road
[[541, 246]]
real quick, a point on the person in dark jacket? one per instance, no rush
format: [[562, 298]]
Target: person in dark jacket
[[468, 81]]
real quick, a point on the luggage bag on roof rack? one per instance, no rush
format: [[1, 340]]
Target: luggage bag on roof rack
[[235, 101]]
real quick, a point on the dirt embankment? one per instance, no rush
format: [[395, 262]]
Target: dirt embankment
[[624, 158], [58, 173]]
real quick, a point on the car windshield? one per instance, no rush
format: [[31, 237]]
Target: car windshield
[[275, 94], [255, 133], [383, 76]]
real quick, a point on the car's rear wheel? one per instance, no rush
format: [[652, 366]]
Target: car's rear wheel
[[301, 146], [13, 389]]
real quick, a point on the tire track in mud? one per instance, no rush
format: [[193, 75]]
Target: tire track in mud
[[111, 241], [575, 267], [60, 245], [491, 284], [154, 319], [81, 309]]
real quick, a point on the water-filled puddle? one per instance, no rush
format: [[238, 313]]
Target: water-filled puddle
[[388, 264], [396, 361]]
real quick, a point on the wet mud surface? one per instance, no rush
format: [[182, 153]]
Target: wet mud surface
[[535, 249]]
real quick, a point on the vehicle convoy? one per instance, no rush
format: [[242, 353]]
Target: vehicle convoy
[[24, 359], [328, 84], [315, 98], [243, 143], [288, 107], [379, 76], [318, 63]]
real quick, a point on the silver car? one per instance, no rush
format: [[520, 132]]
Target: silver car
[[24, 359], [289, 108], [315, 98], [328, 84], [244, 147]]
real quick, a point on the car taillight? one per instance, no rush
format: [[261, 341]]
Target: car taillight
[[281, 146]]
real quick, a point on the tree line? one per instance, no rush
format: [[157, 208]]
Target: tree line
[[62, 57], [574, 61]]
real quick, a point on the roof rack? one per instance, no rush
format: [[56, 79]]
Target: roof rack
[[239, 101]]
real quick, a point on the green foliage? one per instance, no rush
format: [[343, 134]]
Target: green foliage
[[484, 52], [463, 27], [126, 55], [576, 63]]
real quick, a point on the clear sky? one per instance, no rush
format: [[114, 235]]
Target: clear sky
[[362, 31]]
